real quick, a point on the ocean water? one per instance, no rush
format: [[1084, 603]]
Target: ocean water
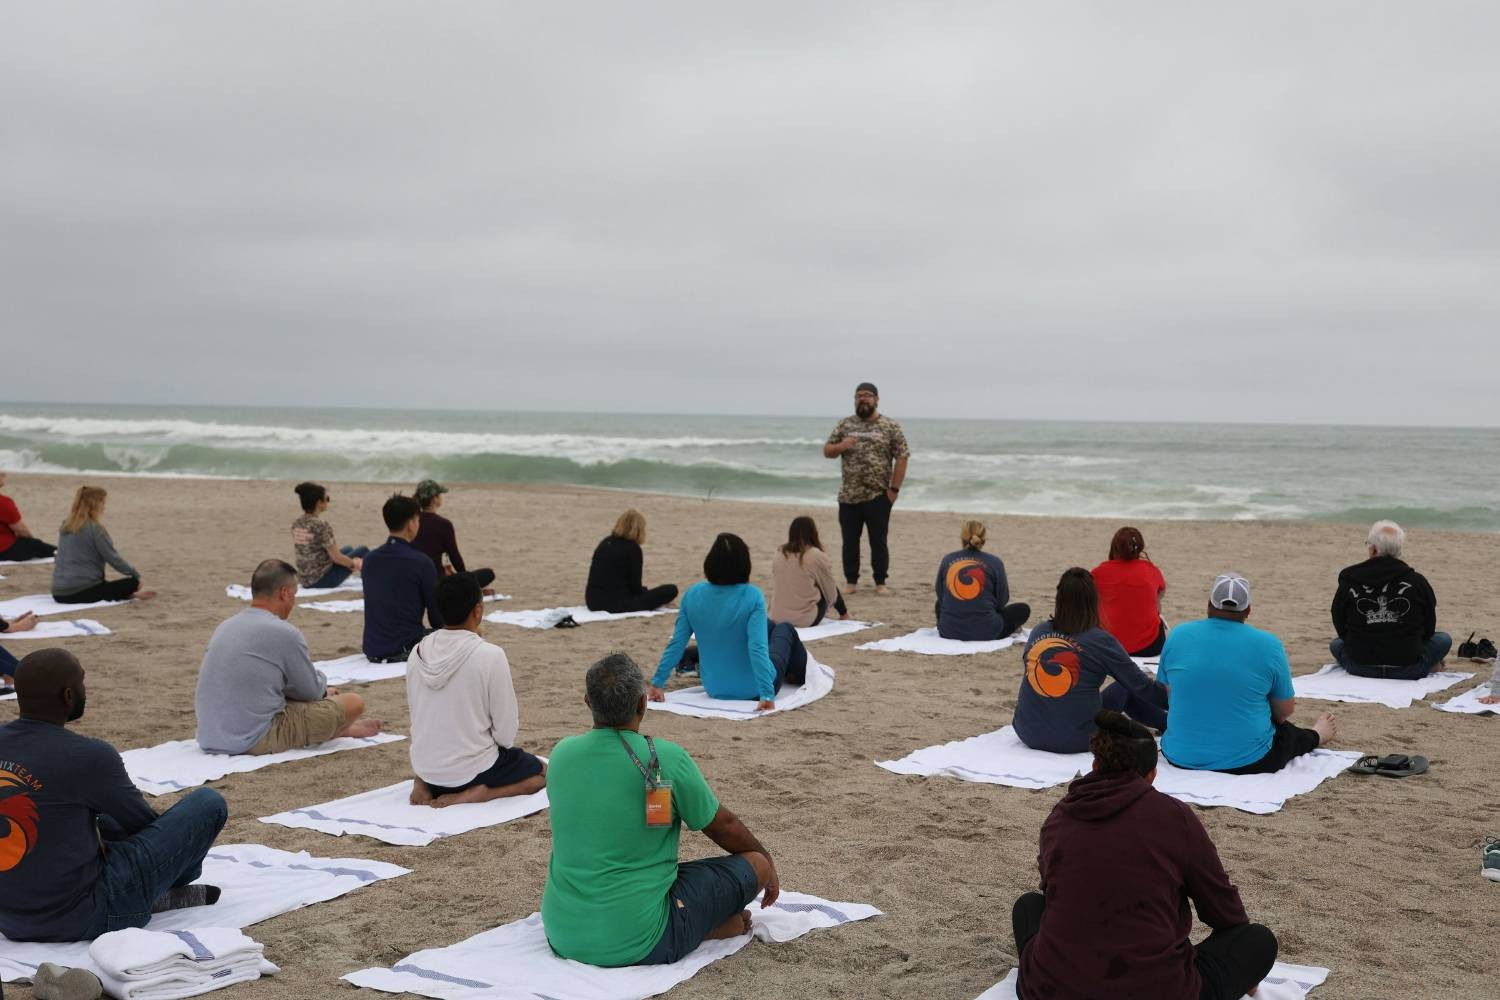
[[1423, 477]]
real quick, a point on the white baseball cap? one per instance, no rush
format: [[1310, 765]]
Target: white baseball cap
[[1231, 592]]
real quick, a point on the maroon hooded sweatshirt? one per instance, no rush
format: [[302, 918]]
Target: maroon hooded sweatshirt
[[1119, 863]]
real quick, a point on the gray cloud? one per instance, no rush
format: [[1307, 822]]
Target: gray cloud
[[1185, 211]]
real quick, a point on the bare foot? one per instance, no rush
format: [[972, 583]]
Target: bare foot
[[1490, 699], [421, 795], [1327, 728], [880, 588], [144, 595], [731, 928], [363, 728], [478, 793], [851, 588], [25, 623]]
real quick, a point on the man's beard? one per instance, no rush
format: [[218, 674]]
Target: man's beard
[[78, 708], [863, 410]]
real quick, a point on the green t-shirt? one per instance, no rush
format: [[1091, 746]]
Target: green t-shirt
[[607, 884]]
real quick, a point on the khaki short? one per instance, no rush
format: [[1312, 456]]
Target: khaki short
[[301, 724]]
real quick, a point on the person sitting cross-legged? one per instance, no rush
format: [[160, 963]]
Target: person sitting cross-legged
[[616, 894], [973, 594], [83, 853], [1385, 614], [400, 584], [1120, 861], [463, 709], [1229, 690], [258, 691]]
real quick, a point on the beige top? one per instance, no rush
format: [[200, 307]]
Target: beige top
[[796, 589]]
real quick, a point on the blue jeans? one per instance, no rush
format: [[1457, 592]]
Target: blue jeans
[[1120, 699], [1434, 648], [788, 655], [138, 870], [336, 575]]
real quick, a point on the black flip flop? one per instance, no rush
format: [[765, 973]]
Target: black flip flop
[[1484, 650], [566, 622], [1392, 765], [1467, 648]]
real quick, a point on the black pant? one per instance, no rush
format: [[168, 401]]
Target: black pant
[[1230, 961], [1153, 648], [28, 548], [110, 590], [1289, 742], [874, 514], [1012, 617], [838, 605], [648, 600], [483, 577]]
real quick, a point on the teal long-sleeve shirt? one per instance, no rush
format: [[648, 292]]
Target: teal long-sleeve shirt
[[730, 623]]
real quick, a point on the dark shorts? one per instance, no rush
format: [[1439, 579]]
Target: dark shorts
[[513, 765], [706, 894]]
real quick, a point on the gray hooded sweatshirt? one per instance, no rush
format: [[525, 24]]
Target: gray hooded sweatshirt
[[463, 706]]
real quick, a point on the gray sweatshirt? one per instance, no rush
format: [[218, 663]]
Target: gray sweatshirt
[[81, 556], [255, 663]]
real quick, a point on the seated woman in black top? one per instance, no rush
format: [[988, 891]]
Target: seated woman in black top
[[1120, 862], [615, 574]]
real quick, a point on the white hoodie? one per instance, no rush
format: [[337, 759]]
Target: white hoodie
[[463, 707]]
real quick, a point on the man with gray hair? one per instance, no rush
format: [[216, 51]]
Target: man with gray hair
[[258, 691], [616, 894], [1385, 614]]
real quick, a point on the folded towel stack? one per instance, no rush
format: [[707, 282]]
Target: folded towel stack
[[138, 964]]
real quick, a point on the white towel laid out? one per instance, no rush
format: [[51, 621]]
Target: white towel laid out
[[59, 630], [356, 668], [242, 592], [8, 697], [137, 964], [1334, 683], [514, 961], [927, 640], [1000, 758], [388, 815], [1148, 664], [47, 561], [257, 882], [1468, 702], [829, 629], [696, 702], [172, 767], [1284, 982], [549, 617], [43, 604], [358, 604]]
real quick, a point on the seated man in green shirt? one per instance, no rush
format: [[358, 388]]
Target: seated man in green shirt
[[615, 893]]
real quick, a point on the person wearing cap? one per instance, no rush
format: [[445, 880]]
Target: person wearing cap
[[1230, 692], [873, 453], [1385, 614], [436, 537]]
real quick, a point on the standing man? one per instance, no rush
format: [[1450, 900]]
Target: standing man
[[873, 452]]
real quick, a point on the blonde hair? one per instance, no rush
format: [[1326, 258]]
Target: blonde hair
[[631, 526], [972, 534], [86, 504]]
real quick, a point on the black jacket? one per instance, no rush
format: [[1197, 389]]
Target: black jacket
[[1383, 610]]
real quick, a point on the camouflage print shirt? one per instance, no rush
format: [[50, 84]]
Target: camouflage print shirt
[[311, 537], [868, 465]]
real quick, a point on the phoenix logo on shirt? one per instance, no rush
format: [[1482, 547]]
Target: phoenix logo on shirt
[[1052, 666], [965, 579], [18, 819]]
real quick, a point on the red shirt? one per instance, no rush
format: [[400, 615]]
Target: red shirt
[[1127, 600], [9, 514]]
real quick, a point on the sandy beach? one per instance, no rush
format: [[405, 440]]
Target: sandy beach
[[1377, 880]]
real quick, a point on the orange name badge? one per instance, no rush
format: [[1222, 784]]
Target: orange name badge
[[659, 804]]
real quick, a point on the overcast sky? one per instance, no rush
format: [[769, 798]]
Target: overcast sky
[[1190, 211]]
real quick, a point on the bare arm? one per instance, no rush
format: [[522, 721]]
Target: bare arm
[[340, 559], [20, 529], [1282, 709], [835, 449], [898, 476], [729, 833]]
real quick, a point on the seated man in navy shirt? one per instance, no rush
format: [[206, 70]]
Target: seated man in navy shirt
[[400, 583], [82, 853]]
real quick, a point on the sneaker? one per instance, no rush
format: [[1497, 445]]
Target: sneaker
[[1489, 865], [1484, 650]]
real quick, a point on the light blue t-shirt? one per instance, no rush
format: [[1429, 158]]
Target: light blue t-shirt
[[734, 657], [1223, 675]]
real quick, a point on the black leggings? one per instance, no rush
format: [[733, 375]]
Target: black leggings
[[28, 548], [1230, 962], [648, 600], [483, 577], [838, 605], [110, 590], [1153, 648]]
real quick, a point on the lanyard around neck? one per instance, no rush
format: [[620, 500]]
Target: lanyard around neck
[[651, 771]]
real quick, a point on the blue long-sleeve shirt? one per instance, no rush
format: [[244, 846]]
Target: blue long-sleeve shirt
[[730, 623], [400, 583]]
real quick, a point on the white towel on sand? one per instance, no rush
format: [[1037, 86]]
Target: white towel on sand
[[356, 668], [696, 702], [172, 767], [43, 604], [927, 640], [358, 604], [257, 882], [1334, 683], [58, 630], [1285, 982], [829, 629], [47, 561], [388, 815], [1468, 702], [514, 961], [242, 592], [1000, 758], [549, 617], [137, 964]]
